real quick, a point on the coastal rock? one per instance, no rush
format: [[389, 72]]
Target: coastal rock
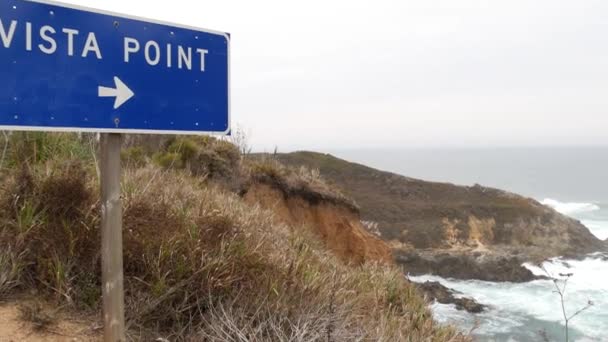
[[464, 265], [435, 291]]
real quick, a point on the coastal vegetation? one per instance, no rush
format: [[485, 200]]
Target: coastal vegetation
[[200, 261]]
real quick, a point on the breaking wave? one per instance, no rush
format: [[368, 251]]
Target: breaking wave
[[521, 311], [570, 208]]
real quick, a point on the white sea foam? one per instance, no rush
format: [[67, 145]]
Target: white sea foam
[[586, 212], [519, 310], [570, 208], [599, 228]]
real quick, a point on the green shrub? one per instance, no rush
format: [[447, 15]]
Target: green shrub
[[40, 147], [187, 148], [134, 156], [168, 160], [203, 156]]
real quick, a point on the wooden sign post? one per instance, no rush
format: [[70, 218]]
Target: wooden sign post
[[111, 239]]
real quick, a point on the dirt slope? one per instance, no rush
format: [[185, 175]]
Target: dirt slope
[[337, 225]]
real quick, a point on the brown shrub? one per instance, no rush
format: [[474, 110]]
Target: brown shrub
[[52, 226], [65, 194], [147, 225]]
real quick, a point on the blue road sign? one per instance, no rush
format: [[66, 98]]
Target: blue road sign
[[65, 68]]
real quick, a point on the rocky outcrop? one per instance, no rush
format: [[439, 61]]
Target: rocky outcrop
[[435, 291], [455, 231], [484, 217], [489, 236], [339, 226], [488, 266]]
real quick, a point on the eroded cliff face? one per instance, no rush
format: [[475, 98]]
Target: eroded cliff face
[[338, 226]]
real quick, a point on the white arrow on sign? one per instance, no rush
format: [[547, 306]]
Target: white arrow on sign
[[122, 93]]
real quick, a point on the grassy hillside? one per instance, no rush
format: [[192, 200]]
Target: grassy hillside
[[200, 263]]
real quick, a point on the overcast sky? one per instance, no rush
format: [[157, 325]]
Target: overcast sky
[[354, 74]]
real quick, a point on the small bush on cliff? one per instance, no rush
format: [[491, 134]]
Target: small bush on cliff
[[301, 181], [200, 264], [206, 157]]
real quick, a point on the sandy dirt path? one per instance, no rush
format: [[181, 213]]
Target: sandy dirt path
[[66, 329]]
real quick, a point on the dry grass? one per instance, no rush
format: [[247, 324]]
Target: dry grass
[[200, 264], [11, 266], [301, 181], [50, 223]]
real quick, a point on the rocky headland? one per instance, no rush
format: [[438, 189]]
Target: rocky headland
[[464, 232]]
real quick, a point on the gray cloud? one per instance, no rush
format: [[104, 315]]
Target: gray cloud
[[334, 74]]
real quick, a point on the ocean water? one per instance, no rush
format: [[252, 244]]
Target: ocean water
[[529, 311], [572, 181]]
